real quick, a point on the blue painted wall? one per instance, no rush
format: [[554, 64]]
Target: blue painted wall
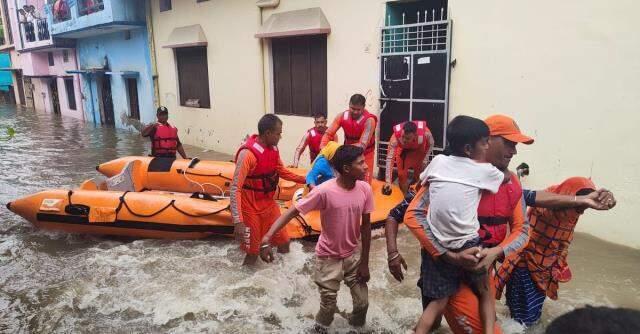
[[115, 12], [123, 55], [5, 76]]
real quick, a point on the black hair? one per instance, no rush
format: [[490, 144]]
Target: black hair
[[162, 110], [268, 122], [410, 127], [462, 131], [357, 100], [345, 155], [319, 114], [596, 320]]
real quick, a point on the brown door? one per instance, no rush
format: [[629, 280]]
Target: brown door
[[107, 101], [20, 87], [28, 92], [55, 99], [132, 89]]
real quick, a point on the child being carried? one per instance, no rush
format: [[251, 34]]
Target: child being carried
[[456, 180]]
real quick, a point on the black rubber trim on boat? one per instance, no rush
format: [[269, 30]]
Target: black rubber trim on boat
[[9, 206], [160, 165], [82, 220]]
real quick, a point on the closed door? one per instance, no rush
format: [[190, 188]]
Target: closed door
[[107, 102], [55, 99]]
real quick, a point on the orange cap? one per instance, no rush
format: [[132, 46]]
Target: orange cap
[[506, 127]]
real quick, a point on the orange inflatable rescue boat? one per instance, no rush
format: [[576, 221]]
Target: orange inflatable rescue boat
[[121, 206], [189, 175]]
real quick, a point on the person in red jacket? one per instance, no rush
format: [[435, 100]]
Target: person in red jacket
[[164, 136], [311, 138], [359, 128], [409, 148], [255, 180]]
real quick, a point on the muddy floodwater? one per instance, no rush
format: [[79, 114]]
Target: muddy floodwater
[[54, 282]]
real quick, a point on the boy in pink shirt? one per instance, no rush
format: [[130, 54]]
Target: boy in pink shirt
[[343, 203]]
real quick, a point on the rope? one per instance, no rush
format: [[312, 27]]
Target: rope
[[201, 185], [172, 204], [201, 174], [305, 226]]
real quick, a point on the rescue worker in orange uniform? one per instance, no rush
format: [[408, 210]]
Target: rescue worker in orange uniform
[[359, 128], [164, 136], [409, 147], [254, 183], [501, 217], [312, 138]]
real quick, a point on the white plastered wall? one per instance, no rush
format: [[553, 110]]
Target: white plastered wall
[[569, 73]]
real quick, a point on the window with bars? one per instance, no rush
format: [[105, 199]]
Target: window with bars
[[300, 75], [50, 58], [65, 56], [193, 76]]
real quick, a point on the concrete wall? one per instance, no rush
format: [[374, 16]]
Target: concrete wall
[[570, 76], [240, 91], [123, 55], [235, 83], [567, 72]]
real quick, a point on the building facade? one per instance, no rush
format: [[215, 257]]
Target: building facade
[[112, 47], [223, 64]]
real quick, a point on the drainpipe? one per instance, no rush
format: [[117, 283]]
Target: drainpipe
[[152, 52], [262, 4]]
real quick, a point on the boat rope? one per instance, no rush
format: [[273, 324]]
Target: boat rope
[[123, 203], [201, 185], [305, 226]]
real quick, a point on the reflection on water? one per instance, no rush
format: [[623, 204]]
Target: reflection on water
[[51, 282]]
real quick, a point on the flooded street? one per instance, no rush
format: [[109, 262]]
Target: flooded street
[[53, 282]]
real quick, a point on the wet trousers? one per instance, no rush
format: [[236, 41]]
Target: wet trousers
[[329, 272]]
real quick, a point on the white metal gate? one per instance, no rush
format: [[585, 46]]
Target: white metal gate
[[414, 76]]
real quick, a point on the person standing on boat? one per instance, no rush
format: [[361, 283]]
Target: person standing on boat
[[342, 252], [359, 128], [312, 139], [409, 148], [164, 137], [254, 183]]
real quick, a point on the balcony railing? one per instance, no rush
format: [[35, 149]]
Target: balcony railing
[[86, 7], [37, 30], [43, 29], [29, 31]]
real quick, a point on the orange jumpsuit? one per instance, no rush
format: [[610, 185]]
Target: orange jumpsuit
[[367, 135], [463, 310], [257, 214], [415, 159]]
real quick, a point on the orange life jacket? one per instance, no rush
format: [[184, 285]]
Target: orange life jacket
[[165, 140], [315, 137], [264, 178], [353, 129], [495, 210], [545, 256], [421, 137]]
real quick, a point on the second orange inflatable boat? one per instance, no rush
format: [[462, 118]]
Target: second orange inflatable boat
[[187, 176]]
